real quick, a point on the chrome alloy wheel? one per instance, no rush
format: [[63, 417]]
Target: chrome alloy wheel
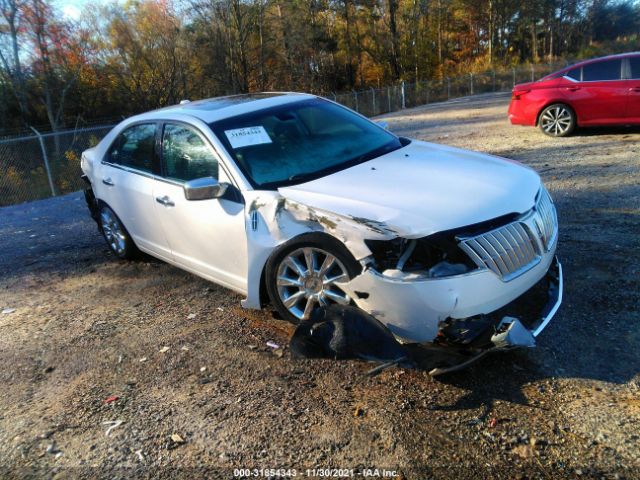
[[556, 121], [113, 231], [308, 277]]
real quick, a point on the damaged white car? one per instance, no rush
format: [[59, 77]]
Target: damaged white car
[[295, 200]]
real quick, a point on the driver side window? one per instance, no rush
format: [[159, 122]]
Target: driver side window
[[185, 154]]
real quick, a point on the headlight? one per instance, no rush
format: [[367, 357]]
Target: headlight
[[429, 257]]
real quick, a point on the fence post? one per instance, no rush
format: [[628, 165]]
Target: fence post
[[355, 95], [427, 83], [46, 161], [532, 73], [389, 97], [335, 98], [513, 71], [373, 97], [493, 79], [448, 88], [471, 77], [404, 105]]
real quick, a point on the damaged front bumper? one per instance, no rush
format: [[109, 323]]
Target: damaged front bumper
[[456, 341], [511, 332], [414, 309]]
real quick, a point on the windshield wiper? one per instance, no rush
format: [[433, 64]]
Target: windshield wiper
[[300, 176]]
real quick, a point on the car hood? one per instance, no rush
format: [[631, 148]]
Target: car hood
[[423, 188]]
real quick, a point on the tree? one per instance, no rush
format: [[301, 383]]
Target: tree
[[57, 58], [12, 71], [145, 54]]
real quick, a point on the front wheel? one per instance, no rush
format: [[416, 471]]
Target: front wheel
[[307, 273], [116, 235], [557, 120]]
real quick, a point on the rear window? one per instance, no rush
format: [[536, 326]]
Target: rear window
[[134, 147], [599, 71], [634, 63]]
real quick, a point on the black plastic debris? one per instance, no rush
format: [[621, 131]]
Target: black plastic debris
[[345, 332]]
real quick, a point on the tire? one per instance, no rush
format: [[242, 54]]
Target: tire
[[115, 234], [557, 120], [293, 290]]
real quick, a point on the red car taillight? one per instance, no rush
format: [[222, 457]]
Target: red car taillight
[[515, 95]]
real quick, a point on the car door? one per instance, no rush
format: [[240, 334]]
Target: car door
[[207, 237], [127, 186], [633, 89], [597, 92]]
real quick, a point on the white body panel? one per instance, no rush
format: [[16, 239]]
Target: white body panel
[[205, 236], [131, 197], [412, 192], [424, 188]]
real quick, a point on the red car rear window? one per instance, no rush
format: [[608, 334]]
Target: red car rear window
[[635, 67], [600, 71]]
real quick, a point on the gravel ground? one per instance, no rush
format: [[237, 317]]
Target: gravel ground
[[200, 393]]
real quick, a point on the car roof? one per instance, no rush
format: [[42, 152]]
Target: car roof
[[598, 59], [586, 62], [218, 108]]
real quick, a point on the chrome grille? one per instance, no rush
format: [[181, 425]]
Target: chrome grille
[[507, 251], [512, 249], [547, 219]]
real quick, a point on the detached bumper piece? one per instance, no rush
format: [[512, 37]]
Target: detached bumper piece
[[340, 332], [90, 198], [513, 326]]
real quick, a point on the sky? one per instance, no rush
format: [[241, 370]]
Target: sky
[[72, 9]]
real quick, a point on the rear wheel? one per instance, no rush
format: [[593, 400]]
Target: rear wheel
[[306, 274], [557, 120], [116, 235]]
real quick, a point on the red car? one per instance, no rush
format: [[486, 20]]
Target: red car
[[601, 91]]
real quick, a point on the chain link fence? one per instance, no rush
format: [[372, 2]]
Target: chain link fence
[[377, 101], [44, 165]]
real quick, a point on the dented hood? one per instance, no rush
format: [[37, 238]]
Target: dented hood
[[422, 189]]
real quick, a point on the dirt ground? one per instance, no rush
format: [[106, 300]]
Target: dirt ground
[[201, 394]]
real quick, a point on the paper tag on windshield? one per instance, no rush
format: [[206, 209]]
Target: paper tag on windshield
[[244, 137]]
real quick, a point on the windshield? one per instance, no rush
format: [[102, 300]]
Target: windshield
[[300, 141]]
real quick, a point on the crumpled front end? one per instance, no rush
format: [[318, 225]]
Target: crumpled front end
[[485, 270], [415, 309], [449, 287]]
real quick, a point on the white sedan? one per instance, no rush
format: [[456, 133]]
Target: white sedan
[[298, 201]]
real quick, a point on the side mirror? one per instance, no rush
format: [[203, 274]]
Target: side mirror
[[383, 124], [204, 189]]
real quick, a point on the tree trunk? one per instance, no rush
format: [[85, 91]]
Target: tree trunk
[[347, 20], [14, 70], [393, 29], [285, 46], [491, 21], [440, 33], [534, 43]]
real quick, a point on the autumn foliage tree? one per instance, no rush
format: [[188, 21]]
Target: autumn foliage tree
[[124, 58]]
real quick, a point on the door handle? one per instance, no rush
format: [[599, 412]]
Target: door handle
[[108, 181], [634, 89], [573, 89], [166, 201]]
